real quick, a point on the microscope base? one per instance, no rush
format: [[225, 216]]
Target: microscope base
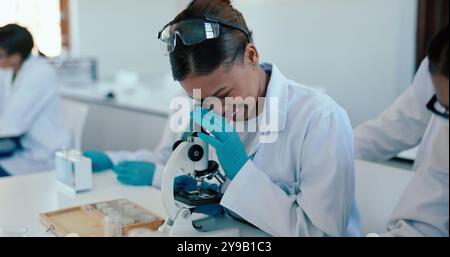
[[183, 227]]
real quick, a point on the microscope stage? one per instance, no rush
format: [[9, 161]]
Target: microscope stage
[[198, 197]]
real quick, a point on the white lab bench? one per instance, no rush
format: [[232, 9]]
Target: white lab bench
[[152, 98], [22, 199], [141, 111]]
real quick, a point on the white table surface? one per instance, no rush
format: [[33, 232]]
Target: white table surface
[[23, 198], [378, 190]]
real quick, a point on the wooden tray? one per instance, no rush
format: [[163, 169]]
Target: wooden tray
[[87, 221]]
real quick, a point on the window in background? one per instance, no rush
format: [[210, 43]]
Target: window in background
[[41, 17]]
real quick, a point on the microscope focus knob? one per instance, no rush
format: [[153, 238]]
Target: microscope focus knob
[[195, 153]]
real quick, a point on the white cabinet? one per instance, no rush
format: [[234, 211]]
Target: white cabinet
[[110, 127]]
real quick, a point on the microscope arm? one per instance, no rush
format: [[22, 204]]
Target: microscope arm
[[188, 159], [177, 162]]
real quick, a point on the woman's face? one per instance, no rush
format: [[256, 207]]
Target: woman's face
[[242, 80]]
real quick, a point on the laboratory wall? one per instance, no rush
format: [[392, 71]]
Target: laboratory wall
[[360, 51], [122, 34]]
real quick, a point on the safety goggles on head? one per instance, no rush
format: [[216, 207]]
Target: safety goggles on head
[[436, 107], [193, 31]]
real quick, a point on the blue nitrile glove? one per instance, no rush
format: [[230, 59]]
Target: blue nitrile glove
[[100, 161], [135, 173], [189, 184], [224, 139], [184, 183], [186, 135]]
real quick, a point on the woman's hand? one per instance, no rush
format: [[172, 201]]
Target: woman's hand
[[224, 139], [135, 173]]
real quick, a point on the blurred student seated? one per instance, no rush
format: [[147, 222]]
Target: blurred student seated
[[31, 120]]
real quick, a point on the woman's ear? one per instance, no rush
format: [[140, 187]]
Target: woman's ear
[[251, 55]]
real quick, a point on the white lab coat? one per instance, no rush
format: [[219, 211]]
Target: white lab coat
[[423, 208], [401, 126], [301, 185], [30, 106]]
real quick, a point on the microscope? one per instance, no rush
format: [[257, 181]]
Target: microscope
[[191, 157]]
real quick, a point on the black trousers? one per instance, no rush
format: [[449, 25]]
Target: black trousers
[[3, 173]]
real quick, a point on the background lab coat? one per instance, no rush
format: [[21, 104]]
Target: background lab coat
[[30, 106], [301, 185], [401, 126], [423, 208]]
